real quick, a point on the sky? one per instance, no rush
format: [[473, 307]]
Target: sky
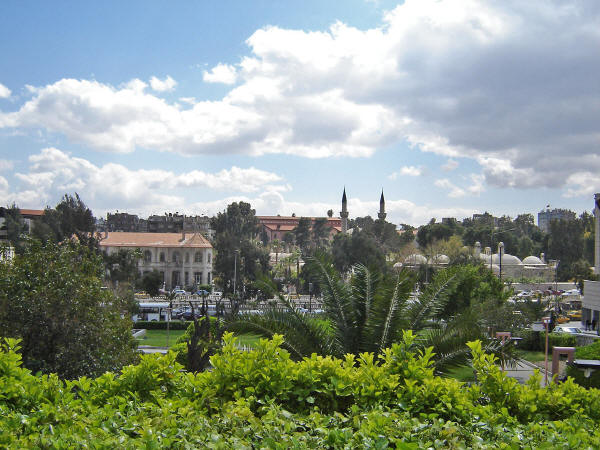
[[451, 107]]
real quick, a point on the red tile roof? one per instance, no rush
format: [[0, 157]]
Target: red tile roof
[[31, 212], [123, 239]]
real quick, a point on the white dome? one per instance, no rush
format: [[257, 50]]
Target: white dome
[[485, 258], [507, 260], [495, 269], [533, 261], [440, 259], [415, 259], [398, 265]]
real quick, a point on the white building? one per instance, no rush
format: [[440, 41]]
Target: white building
[[183, 259]]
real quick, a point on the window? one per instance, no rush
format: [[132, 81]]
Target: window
[[162, 257], [198, 277], [187, 257], [198, 257], [176, 257], [186, 278], [208, 278], [147, 256], [208, 258]]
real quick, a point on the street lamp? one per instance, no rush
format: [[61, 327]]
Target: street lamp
[[235, 253], [500, 253]]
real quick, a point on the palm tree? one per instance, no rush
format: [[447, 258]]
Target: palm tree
[[367, 314]]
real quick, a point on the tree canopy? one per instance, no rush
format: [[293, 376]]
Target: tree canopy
[[52, 298]]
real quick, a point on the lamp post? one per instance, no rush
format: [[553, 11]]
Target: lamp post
[[500, 253], [235, 253]]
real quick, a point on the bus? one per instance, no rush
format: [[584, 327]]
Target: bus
[[152, 311]]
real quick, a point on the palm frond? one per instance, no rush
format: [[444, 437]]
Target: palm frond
[[431, 301], [387, 324]]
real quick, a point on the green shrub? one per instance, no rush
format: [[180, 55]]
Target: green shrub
[[535, 340], [155, 325], [262, 398], [561, 340], [591, 351]]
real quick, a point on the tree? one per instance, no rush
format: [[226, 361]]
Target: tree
[[70, 218], [368, 314], [358, 248], [302, 234], [236, 249], [53, 299], [152, 282], [14, 225], [320, 233], [565, 243], [122, 266]]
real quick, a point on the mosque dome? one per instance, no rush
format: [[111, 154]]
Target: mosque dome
[[415, 259], [508, 260], [440, 259], [495, 269], [533, 261]]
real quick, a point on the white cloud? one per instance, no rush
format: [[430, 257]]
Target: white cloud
[[410, 171], [582, 184], [221, 73], [53, 172], [450, 165], [168, 84], [4, 91], [510, 84], [452, 190]]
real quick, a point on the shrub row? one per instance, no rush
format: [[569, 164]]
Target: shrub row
[[591, 351], [536, 340], [263, 398], [155, 325]]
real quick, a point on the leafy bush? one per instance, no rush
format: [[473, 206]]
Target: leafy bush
[[173, 325], [535, 340], [263, 398], [591, 351]]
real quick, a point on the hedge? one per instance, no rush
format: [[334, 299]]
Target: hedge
[[155, 325], [535, 340], [591, 351], [262, 398]]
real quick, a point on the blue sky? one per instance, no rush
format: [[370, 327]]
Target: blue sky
[[451, 107]]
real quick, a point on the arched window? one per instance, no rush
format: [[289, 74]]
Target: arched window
[[198, 257], [147, 256], [208, 258], [162, 257], [176, 257]]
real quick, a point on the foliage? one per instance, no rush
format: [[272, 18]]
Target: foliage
[[368, 314], [236, 249], [565, 243], [70, 218], [14, 226], [162, 325], [151, 282], [358, 248], [262, 399], [122, 265], [591, 351], [52, 298]]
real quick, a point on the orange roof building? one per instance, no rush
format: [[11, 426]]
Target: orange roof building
[[275, 227], [183, 259]]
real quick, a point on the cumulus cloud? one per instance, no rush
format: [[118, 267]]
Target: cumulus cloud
[[510, 84], [53, 172], [475, 186], [221, 73], [4, 91], [410, 171], [168, 84]]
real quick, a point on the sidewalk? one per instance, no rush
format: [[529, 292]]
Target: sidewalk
[[524, 370]]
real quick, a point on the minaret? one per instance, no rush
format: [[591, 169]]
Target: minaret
[[382, 213], [344, 213]]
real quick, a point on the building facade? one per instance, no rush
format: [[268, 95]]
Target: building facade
[[183, 259], [276, 227], [546, 216], [590, 305]]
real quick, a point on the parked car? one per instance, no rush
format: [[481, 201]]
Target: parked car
[[202, 293], [571, 330]]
